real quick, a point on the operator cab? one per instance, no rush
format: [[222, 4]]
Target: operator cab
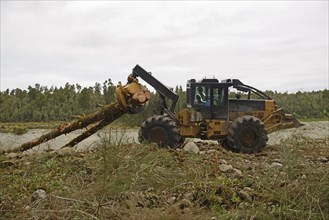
[[208, 96]]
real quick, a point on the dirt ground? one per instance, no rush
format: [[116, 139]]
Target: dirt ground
[[10, 140], [313, 130], [287, 180]]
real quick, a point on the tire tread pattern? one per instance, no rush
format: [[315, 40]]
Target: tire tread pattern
[[242, 123], [174, 138]]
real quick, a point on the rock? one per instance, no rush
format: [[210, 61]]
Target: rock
[[30, 152], [247, 189], [186, 210], [27, 208], [225, 168], [202, 152], [171, 200], [191, 147], [213, 218], [237, 173], [39, 194], [323, 159], [12, 155], [65, 151], [222, 161], [276, 165], [303, 176]]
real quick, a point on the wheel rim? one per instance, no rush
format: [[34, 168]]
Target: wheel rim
[[248, 137], [158, 135]]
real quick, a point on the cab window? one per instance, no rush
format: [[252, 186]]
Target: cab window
[[202, 95], [219, 94]]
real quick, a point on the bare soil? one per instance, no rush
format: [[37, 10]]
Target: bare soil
[[10, 140], [313, 130], [288, 180]]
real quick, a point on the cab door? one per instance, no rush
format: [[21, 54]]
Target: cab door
[[201, 99], [219, 104]]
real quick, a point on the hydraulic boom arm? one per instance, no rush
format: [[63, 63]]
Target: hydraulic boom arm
[[157, 85]]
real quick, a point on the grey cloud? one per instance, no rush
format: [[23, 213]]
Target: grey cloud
[[85, 42]]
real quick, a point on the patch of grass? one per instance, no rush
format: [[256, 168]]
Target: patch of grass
[[22, 127], [133, 181], [115, 181], [313, 119], [300, 190]]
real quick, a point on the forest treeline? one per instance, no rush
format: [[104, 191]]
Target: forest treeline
[[40, 103]]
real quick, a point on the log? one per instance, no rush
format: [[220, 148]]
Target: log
[[115, 114], [106, 114], [131, 98]]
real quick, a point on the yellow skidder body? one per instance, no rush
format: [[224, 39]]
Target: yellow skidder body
[[241, 124]]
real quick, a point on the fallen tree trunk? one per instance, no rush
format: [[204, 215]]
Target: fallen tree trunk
[[109, 119], [131, 98], [107, 113]]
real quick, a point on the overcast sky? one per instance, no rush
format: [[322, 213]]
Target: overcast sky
[[271, 45]]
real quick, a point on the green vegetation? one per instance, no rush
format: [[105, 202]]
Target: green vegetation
[[118, 180], [23, 127], [132, 181], [43, 104], [306, 105]]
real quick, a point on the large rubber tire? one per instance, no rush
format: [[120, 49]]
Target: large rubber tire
[[247, 134], [162, 130]]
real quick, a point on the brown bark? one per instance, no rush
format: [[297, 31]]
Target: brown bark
[[114, 115], [106, 115], [132, 96]]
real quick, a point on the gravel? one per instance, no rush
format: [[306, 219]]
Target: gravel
[[10, 140], [313, 130]]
